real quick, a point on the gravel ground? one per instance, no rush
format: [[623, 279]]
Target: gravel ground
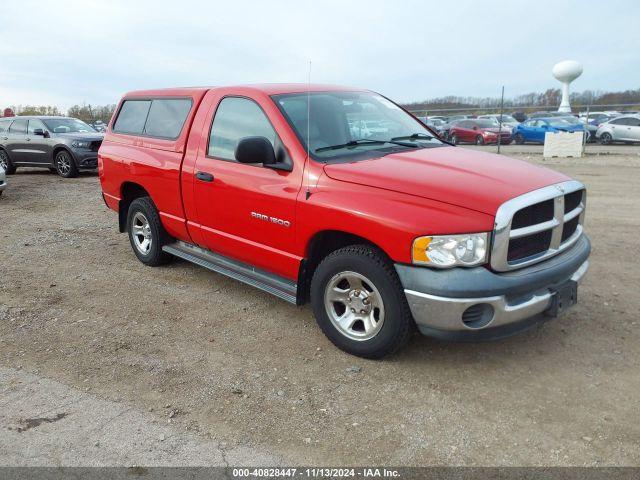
[[229, 364]]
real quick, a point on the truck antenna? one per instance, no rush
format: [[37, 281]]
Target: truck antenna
[[308, 193]]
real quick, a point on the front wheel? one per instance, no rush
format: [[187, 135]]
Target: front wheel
[[359, 303], [65, 166], [454, 139], [5, 163], [606, 138], [519, 139], [479, 140]]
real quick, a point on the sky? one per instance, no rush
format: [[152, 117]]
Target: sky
[[69, 52]]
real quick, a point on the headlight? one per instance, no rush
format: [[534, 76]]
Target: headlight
[[80, 144], [444, 251], [489, 133]]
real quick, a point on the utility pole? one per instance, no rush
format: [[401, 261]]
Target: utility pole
[[500, 117]]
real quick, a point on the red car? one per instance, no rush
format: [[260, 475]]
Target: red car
[[386, 234], [479, 131]]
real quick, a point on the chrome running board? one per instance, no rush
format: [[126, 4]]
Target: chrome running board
[[268, 282]]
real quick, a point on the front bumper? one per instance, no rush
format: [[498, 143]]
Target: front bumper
[[477, 304], [85, 159]]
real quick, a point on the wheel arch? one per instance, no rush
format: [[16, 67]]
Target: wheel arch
[[320, 245], [129, 191]]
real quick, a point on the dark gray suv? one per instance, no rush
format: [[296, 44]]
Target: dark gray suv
[[61, 144]]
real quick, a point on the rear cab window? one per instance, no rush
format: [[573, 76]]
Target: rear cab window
[[161, 118]]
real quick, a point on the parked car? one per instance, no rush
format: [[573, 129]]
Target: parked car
[[479, 131], [534, 129], [451, 121], [595, 118], [380, 235], [61, 144], [507, 120], [519, 116], [3, 180], [436, 125], [621, 129]]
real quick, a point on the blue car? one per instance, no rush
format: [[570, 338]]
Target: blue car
[[533, 130]]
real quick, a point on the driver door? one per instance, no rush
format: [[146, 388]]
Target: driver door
[[40, 148], [245, 211]]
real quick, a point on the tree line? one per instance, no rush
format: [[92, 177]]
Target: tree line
[[550, 97], [85, 112]]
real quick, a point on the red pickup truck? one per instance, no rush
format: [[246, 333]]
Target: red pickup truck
[[340, 197]]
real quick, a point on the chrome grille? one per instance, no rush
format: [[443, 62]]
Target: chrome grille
[[537, 225]]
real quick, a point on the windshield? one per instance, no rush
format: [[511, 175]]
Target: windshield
[[67, 125], [561, 122], [507, 118], [486, 122], [346, 126]]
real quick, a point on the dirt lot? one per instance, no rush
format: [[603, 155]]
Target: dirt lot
[[229, 363]]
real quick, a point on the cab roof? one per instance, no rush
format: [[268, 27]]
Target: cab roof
[[265, 88]]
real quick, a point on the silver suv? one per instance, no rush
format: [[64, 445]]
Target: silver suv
[[621, 129]]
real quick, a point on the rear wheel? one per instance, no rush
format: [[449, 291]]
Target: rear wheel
[[479, 140], [146, 233], [6, 164], [65, 166], [519, 139], [359, 303], [606, 138]]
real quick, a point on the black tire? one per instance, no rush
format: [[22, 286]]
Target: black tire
[[507, 142], [158, 237], [606, 138], [65, 164], [5, 161], [369, 262], [479, 140], [519, 139], [454, 139]]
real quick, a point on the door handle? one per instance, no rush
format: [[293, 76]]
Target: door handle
[[204, 176]]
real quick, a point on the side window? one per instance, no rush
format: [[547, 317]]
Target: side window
[[235, 119], [618, 121], [35, 123], [4, 125], [132, 116], [166, 117], [634, 122], [18, 126]]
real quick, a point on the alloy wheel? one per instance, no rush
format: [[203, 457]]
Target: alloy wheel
[[354, 305], [4, 160], [63, 164], [141, 233]]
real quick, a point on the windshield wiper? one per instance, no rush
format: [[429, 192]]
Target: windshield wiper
[[415, 136], [364, 141]]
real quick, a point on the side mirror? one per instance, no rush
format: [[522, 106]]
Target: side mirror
[[38, 131], [475, 127], [544, 126], [259, 150], [255, 150]]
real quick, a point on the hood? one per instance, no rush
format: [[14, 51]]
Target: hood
[[467, 178], [81, 135]]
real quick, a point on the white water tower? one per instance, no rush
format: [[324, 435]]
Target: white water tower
[[566, 72]]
